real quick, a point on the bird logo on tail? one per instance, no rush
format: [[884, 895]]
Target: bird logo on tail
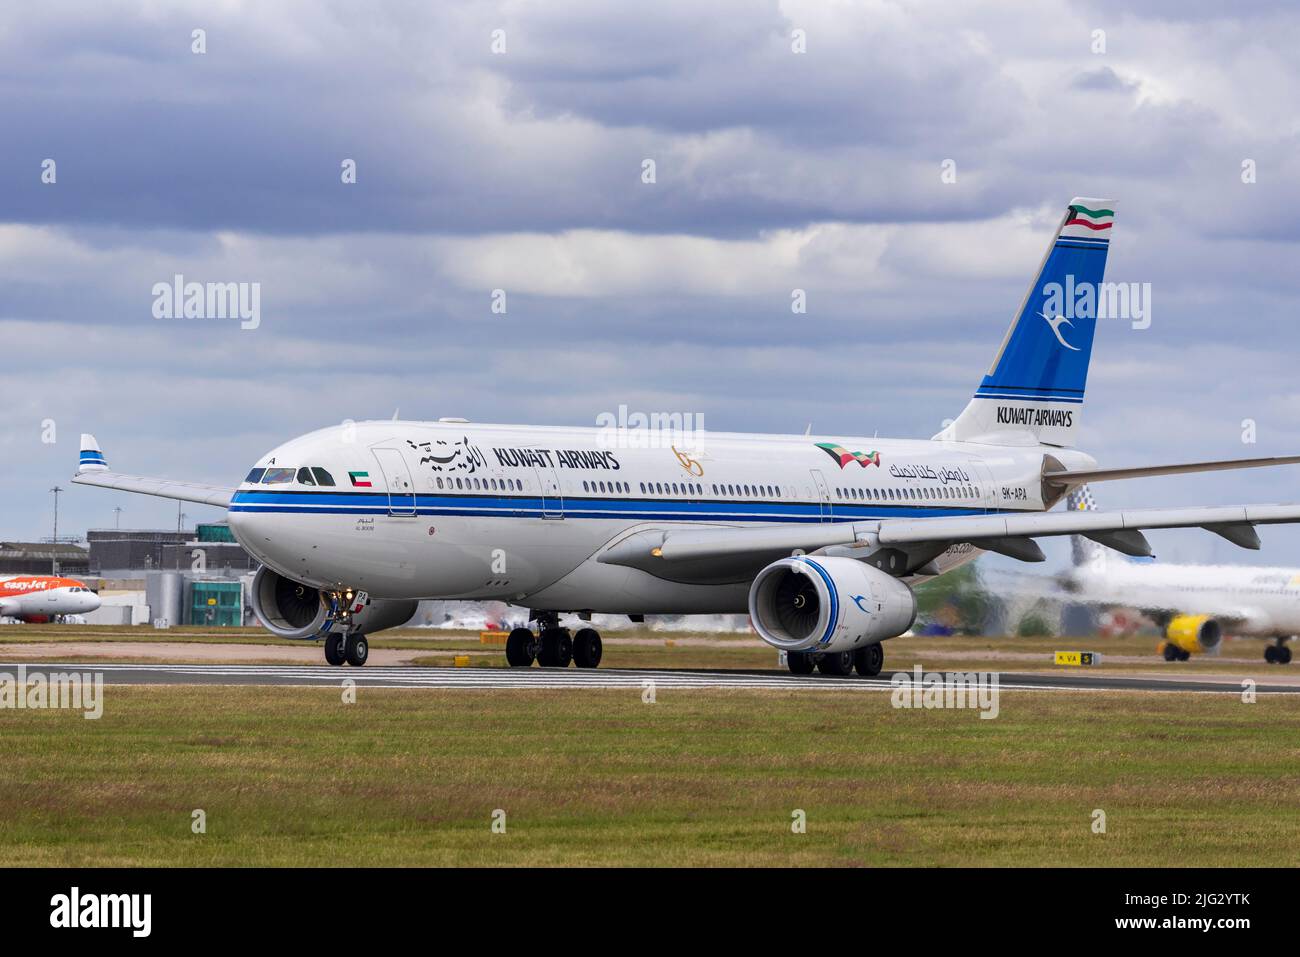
[[1056, 323]]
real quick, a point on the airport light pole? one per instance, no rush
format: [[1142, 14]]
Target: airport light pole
[[56, 490], [117, 516]]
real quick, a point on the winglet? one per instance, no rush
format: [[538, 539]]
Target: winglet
[[92, 459]]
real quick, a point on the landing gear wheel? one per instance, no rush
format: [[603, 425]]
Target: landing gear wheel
[[1270, 654], [587, 648], [869, 659], [557, 648], [357, 650], [838, 663], [334, 649], [519, 651], [1283, 655], [1173, 652], [799, 662]]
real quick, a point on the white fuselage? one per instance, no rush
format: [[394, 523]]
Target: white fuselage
[[519, 513], [1251, 601]]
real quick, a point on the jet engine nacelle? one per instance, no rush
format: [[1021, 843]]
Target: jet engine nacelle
[[828, 604], [291, 609], [1194, 633]]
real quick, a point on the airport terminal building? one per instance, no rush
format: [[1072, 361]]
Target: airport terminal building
[[199, 576], [44, 558]]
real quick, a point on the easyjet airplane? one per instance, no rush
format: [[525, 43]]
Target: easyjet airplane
[[819, 538], [39, 598]]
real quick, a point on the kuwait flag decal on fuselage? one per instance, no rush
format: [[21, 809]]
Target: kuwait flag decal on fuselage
[[843, 456], [360, 479]]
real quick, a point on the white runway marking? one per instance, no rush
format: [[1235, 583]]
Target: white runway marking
[[522, 679]]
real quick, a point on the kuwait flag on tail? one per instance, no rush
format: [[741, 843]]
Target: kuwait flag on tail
[[360, 479], [1089, 219]]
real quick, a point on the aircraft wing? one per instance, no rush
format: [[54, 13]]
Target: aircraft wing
[[164, 488], [1008, 534], [94, 470]]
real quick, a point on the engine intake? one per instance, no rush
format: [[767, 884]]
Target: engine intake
[[828, 604], [290, 609]]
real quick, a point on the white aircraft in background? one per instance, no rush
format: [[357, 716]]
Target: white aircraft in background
[[1193, 604], [42, 598], [819, 538]]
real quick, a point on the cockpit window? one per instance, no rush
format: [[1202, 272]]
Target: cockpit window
[[255, 476], [322, 477], [278, 476], [304, 476]]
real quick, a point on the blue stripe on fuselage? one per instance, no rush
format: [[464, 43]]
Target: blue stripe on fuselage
[[504, 506]]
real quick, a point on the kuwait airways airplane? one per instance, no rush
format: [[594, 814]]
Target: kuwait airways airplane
[[1193, 604], [819, 538]]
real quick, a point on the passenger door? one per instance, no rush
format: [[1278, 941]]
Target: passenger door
[[397, 481], [552, 496], [823, 494]]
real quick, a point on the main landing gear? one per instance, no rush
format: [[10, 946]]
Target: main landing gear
[[1278, 654], [867, 661], [552, 646]]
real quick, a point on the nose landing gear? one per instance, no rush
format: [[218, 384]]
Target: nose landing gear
[[343, 643], [334, 650]]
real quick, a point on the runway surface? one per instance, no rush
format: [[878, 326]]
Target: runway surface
[[572, 679]]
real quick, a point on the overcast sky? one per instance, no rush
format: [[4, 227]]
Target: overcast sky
[[522, 170]]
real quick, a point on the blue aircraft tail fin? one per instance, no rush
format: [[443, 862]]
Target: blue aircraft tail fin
[[1033, 391]]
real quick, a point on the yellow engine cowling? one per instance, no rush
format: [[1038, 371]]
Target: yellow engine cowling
[[1196, 634]]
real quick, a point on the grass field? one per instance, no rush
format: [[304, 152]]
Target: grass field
[[295, 776]]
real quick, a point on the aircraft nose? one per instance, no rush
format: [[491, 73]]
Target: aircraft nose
[[257, 532], [246, 526]]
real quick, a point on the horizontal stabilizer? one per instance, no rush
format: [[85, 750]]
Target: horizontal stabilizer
[[1068, 477], [971, 528]]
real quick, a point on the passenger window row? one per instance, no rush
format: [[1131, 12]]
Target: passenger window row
[[615, 487], [672, 488], [915, 494], [483, 485], [748, 491]]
